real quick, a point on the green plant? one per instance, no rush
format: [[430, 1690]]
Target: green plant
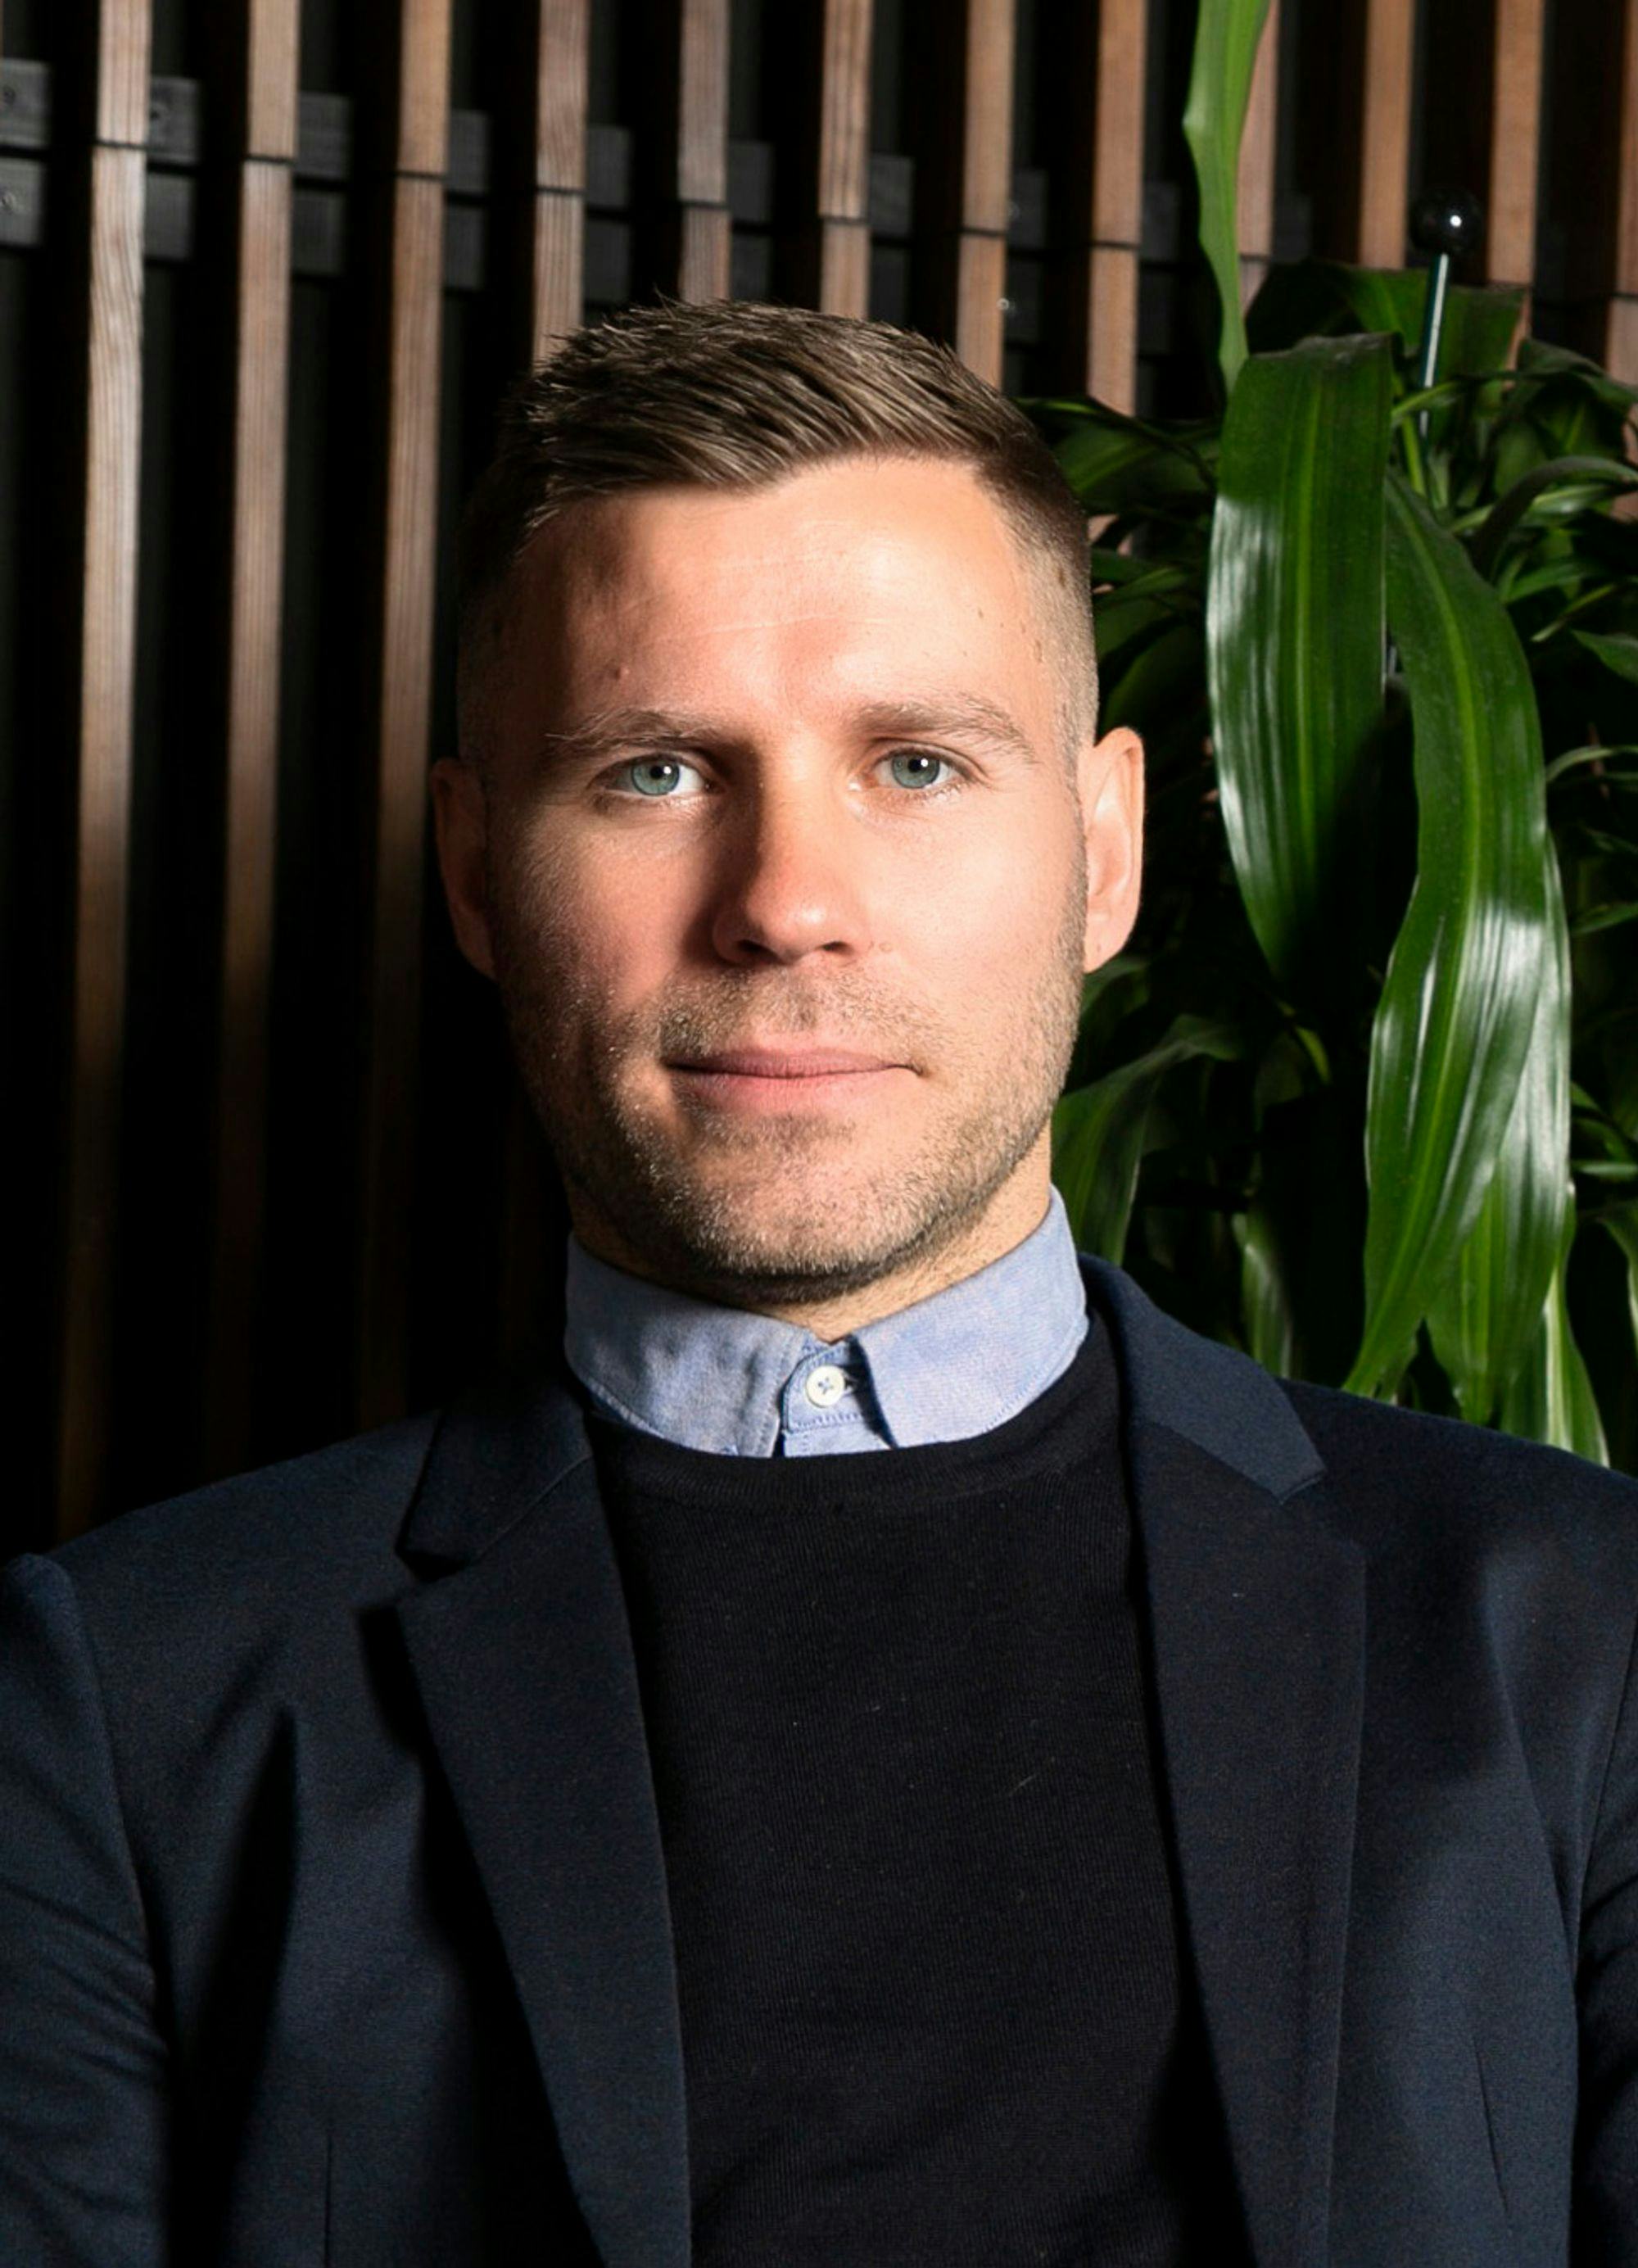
[[1362, 1094]]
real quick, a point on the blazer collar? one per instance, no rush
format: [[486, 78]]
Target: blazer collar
[[523, 1656]]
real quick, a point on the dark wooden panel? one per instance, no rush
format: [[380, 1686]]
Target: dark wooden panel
[[261, 108], [112, 284], [407, 250]]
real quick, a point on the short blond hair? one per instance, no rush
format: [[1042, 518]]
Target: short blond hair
[[737, 394]]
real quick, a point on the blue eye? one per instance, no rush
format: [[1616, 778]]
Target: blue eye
[[656, 776], [914, 768]]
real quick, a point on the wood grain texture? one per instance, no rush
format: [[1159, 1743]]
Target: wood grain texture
[[408, 247], [272, 43], [105, 661], [254, 541], [1257, 162], [835, 241], [1621, 323], [1096, 158], [695, 232], [1515, 142], [964, 185], [124, 36], [1385, 96], [560, 41]]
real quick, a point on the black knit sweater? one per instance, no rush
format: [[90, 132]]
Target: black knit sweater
[[934, 2003]]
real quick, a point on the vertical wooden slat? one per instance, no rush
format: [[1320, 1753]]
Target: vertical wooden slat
[[836, 231], [115, 192], [262, 122], [560, 43], [1620, 340], [687, 170], [1384, 95], [1257, 162], [964, 177], [1515, 142], [1098, 113], [411, 251]]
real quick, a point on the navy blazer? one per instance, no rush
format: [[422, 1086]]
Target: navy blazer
[[332, 1912]]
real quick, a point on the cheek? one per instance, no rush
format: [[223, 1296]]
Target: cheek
[[590, 928]]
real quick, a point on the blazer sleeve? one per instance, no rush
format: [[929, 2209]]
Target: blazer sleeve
[[82, 2061]]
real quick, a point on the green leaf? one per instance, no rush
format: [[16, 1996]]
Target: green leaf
[[1265, 1296], [1097, 1134], [1623, 1227], [1527, 494], [1484, 1318], [1294, 641], [1619, 654], [1226, 38], [1551, 1398], [1452, 1029], [1113, 465]]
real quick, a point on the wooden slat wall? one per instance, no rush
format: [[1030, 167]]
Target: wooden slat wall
[[1257, 161], [114, 186], [261, 116], [1100, 183], [1093, 159], [836, 229], [693, 84], [560, 32], [1515, 154], [1620, 346], [1385, 133], [415, 83]]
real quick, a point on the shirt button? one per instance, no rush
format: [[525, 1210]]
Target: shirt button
[[825, 1387]]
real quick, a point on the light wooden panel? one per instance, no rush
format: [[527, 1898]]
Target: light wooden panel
[[112, 275], [560, 36], [263, 120], [1620, 346], [697, 258], [1257, 162], [1515, 142], [1098, 190], [963, 179], [410, 250], [1384, 133], [838, 234]]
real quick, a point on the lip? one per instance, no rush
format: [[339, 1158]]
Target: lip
[[828, 1083], [785, 1062]]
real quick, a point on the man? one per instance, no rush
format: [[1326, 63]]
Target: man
[[889, 1750]]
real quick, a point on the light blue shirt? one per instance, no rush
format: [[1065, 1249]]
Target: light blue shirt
[[715, 1378]]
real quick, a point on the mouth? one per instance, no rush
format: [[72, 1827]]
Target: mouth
[[775, 1078]]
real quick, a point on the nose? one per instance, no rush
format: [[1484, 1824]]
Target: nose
[[792, 881]]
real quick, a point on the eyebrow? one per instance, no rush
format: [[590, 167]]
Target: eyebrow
[[972, 715]]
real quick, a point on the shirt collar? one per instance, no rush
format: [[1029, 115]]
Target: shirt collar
[[954, 1364]]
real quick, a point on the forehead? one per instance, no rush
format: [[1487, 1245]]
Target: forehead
[[826, 585]]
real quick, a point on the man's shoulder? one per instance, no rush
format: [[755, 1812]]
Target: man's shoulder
[[1405, 1475], [311, 1525]]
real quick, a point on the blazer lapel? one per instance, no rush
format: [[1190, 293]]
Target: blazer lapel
[[523, 1657], [1257, 1615]]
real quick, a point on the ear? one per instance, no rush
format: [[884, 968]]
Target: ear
[[1110, 777], [460, 815]]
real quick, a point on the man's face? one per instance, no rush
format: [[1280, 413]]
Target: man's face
[[782, 870]]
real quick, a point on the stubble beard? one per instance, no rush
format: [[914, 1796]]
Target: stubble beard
[[801, 1207]]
